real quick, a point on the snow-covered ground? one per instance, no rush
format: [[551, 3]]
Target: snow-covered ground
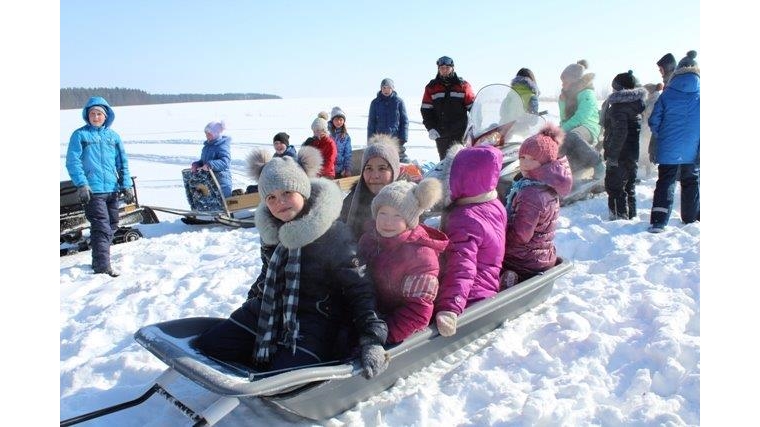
[[617, 342]]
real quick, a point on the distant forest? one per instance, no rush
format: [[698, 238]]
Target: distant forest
[[76, 97]]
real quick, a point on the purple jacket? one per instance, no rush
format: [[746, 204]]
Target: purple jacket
[[405, 271], [533, 214], [475, 224]]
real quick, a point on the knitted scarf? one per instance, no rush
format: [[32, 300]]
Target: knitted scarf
[[516, 187], [279, 303]]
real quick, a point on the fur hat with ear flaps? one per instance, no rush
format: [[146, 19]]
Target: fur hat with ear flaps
[[284, 173], [410, 199]]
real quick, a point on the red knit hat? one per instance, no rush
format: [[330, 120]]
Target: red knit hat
[[544, 145]]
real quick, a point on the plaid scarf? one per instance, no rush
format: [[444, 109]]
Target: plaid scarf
[[279, 303]]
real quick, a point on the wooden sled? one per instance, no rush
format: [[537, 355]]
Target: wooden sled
[[324, 391]]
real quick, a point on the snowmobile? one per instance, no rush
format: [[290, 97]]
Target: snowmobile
[[319, 391], [74, 223], [498, 117]]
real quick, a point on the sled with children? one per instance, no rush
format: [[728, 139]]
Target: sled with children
[[324, 390]]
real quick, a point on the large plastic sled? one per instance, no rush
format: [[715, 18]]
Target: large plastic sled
[[318, 392], [74, 222]]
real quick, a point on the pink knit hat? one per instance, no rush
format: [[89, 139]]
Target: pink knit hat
[[544, 145]]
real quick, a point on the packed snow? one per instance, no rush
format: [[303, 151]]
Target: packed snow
[[616, 343]]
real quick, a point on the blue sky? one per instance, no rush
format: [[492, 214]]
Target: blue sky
[[345, 48]]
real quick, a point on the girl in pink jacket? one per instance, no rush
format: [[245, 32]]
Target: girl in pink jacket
[[533, 206], [475, 223], [402, 255]]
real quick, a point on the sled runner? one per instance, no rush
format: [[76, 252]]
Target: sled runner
[[74, 221], [323, 391]]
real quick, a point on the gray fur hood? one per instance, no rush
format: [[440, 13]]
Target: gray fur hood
[[628, 95], [321, 211]]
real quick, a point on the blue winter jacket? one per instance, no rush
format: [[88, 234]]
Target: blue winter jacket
[[675, 119], [216, 154], [96, 156], [387, 114], [343, 149]]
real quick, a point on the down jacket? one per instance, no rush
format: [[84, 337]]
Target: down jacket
[[387, 114], [216, 154], [675, 119], [405, 270], [533, 214], [334, 285], [96, 156]]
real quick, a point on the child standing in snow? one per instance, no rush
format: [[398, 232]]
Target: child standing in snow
[[533, 206], [310, 278], [98, 167], [475, 224], [402, 255], [339, 134], [325, 144], [621, 119]]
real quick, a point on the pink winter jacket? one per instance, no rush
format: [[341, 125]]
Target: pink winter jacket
[[405, 271], [475, 223], [533, 218]]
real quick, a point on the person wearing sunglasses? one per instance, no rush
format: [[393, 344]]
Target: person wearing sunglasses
[[445, 103]]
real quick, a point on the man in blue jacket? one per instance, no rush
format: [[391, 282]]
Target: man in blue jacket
[[675, 125], [97, 165]]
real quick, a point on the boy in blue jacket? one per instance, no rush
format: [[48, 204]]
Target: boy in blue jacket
[[98, 167]]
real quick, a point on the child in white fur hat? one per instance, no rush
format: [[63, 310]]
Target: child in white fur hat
[[310, 281], [402, 255]]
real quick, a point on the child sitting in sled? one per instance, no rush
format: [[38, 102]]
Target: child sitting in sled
[[475, 223], [310, 278], [402, 255], [533, 206]]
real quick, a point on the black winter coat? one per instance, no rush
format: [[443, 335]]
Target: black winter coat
[[621, 121]]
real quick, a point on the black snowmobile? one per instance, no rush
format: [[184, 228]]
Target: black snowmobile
[[74, 223]]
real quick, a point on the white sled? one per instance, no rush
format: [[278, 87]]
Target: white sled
[[324, 391]]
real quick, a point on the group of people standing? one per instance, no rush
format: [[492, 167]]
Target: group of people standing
[[672, 119]]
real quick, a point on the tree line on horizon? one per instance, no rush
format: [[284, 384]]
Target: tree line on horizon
[[76, 97]]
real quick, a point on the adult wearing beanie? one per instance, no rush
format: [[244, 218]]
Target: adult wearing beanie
[[579, 118], [621, 119], [215, 155], [675, 125], [380, 166], [533, 206], [387, 115], [299, 231]]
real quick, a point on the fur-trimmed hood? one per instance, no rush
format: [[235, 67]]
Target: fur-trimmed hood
[[628, 95], [320, 212], [525, 81]]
